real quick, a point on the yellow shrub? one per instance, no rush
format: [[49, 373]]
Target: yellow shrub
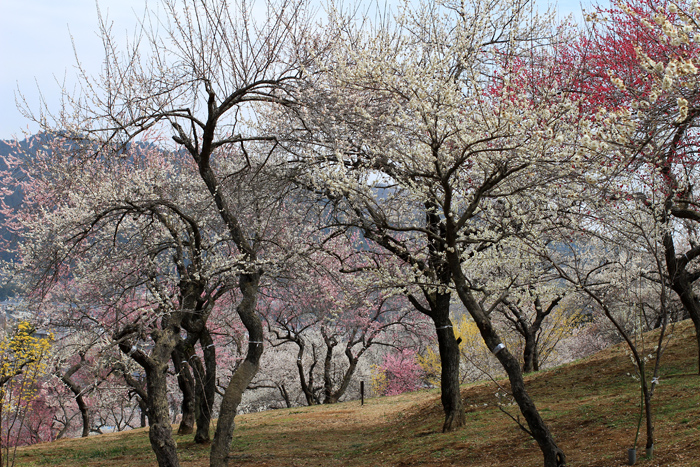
[[476, 359], [21, 354], [379, 380]]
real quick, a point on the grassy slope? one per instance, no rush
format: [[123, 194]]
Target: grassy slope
[[591, 406]]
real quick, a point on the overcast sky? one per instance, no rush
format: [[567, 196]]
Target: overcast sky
[[36, 47]]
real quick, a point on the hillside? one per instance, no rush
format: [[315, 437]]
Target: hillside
[[591, 405]]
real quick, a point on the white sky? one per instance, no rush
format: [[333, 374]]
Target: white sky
[[36, 49]]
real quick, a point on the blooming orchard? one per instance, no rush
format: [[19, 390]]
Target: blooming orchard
[[230, 173]]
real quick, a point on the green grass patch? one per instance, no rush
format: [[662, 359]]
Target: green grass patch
[[590, 405]]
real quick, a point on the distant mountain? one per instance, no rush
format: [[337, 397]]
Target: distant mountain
[[8, 240], [13, 199]]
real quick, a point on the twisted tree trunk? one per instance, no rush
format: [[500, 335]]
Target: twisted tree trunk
[[185, 382], [243, 375]]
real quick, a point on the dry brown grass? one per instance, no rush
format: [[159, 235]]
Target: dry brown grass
[[590, 405]]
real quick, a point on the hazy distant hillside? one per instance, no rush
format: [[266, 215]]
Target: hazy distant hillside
[[11, 200], [8, 239]]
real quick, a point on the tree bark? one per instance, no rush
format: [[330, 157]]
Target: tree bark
[[143, 409], [78, 392], [185, 382], [690, 302], [205, 386], [306, 386], [347, 377], [530, 363], [450, 396], [648, 414], [553, 456], [243, 375], [682, 284], [203, 374], [155, 365], [448, 346], [352, 366], [285, 395], [84, 415], [331, 396], [160, 431], [530, 331], [327, 362]]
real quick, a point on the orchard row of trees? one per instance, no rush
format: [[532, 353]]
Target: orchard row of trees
[[235, 175]]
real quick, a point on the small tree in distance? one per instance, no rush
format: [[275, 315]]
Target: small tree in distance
[[23, 358], [399, 372], [333, 306]]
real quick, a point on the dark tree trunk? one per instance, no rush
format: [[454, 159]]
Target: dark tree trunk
[[682, 284], [448, 347], [330, 342], [248, 285], [439, 303], [307, 386], [553, 456], [155, 365], [438, 271], [205, 387], [143, 409], [243, 375], [285, 395], [530, 363], [347, 377], [690, 302], [450, 396], [203, 374], [78, 392], [536, 360], [82, 406], [530, 331], [648, 414], [185, 382]]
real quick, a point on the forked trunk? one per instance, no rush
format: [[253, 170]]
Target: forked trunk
[[306, 386], [155, 365], [334, 396]]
